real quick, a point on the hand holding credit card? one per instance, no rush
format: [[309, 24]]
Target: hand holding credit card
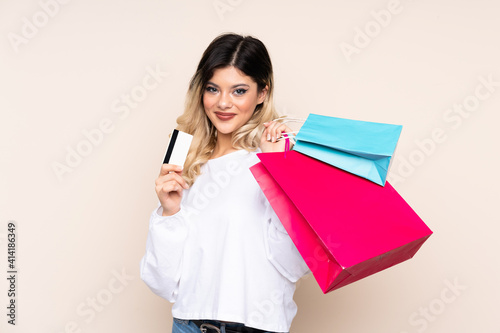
[[170, 184]]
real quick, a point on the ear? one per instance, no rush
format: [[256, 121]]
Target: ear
[[262, 95]]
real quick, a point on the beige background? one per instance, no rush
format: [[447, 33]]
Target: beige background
[[78, 231]]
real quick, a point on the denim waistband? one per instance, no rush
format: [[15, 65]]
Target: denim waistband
[[230, 327]]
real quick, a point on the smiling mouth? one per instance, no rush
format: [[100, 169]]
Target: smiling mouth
[[224, 115]]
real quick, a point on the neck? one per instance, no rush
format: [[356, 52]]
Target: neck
[[223, 145]]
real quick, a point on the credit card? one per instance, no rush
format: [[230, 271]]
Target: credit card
[[178, 148]]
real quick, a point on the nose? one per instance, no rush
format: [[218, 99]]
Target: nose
[[224, 101]]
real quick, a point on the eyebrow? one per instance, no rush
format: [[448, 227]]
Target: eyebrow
[[235, 86]]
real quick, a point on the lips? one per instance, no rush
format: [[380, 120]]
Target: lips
[[225, 115]]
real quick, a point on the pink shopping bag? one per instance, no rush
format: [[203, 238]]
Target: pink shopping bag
[[345, 227]]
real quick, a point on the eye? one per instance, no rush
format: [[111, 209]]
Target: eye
[[240, 91], [211, 89]]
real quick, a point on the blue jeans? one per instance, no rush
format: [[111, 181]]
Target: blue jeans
[[184, 326], [187, 326]]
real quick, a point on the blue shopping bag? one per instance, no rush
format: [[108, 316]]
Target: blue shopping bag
[[360, 147]]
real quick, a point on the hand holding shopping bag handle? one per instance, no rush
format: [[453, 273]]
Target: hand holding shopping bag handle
[[272, 135]]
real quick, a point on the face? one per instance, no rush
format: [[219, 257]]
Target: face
[[230, 98]]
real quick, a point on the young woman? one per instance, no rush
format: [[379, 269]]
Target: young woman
[[215, 247]]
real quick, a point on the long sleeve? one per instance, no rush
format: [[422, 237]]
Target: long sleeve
[[280, 249], [161, 265], [225, 244]]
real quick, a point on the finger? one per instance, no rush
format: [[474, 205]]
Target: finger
[[266, 135], [282, 129], [173, 176], [171, 186], [170, 176], [167, 168], [270, 130], [276, 131]]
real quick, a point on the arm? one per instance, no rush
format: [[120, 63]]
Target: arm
[[280, 249], [161, 265]]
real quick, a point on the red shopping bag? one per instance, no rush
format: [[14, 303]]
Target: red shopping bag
[[344, 226]]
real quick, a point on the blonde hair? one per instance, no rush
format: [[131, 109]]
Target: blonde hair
[[248, 55]]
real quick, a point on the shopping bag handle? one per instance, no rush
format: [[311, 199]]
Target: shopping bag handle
[[287, 143], [287, 119], [289, 135]]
